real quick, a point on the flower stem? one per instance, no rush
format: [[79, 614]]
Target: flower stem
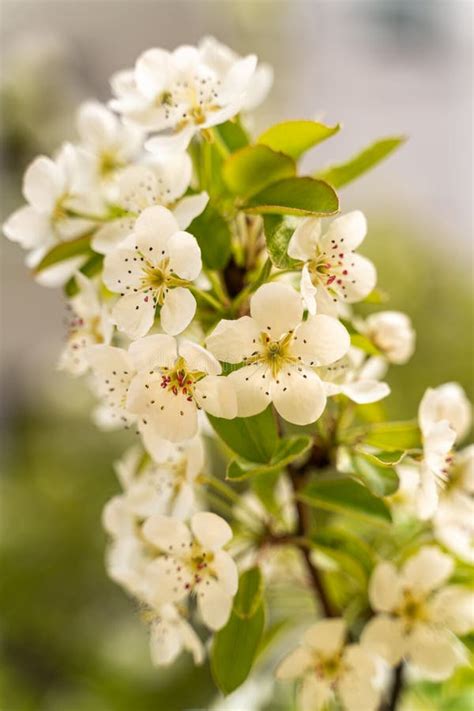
[[302, 510], [396, 690]]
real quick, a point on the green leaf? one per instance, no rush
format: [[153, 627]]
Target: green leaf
[[288, 449], [348, 542], [249, 594], [296, 137], [235, 646], [251, 169], [214, 237], [253, 438], [89, 269], [66, 250], [303, 197], [345, 495], [345, 563], [278, 232], [392, 436], [344, 173], [233, 135], [382, 480]]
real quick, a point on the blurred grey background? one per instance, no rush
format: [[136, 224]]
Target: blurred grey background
[[71, 640]]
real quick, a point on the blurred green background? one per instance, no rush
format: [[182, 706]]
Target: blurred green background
[[70, 639]]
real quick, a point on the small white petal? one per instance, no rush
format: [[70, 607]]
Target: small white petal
[[385, 587], [326, 636], [453, 606], [351, 228], [427, 570], [43, 184], [211, 530], [366, 391], [168, 145], [198, 358], [214, 605], [178, 310], [216, 395], [277, 308], [165, 643], [308, 291], [315, 693], [299, 397], [434, 653], [252, 392], [226, 571], [320, 340], [189, 207], [31, 229], [158, 349], [232, 341], [134, 314], [384, 636], [184, 255], [167, 534], [302, 244], [295, 664]]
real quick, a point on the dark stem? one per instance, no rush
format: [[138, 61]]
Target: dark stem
[[396, 690], [298, 478]]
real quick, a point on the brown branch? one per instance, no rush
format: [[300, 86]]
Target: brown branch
[[396, 690]]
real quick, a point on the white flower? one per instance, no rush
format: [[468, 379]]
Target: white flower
[[279, 352], [332, 272], [153, 268], [174, 382], [53, 190], [222, 57], [109, 144], [193, 562], [453, 522], [446, 402], [355, 377], [182, 91], [170, 635], [417, 614], [165, 487], [392, 333], [138, 187], [90, 324], [329, 668]]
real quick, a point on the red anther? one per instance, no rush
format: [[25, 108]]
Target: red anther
[[146, 298], [345, 272], [341, 255], [330, 280], [175, 389], [189, 399]]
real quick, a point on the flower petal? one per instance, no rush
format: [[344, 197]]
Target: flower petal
[[158, 349], [214, 605], [326, 636], [434, 653], [427, 570], [226, 571], [299, 397], [211, 530], [168, 145], [189, 207], [348, 231], [96, 125], [153, 72], [251, 389], [43, 184], [216, 395], [302, 244], [383, 635], [122, 270], [185, 255], [315, 693], [308, 291], [165, 642], [453, 606], [198, 358], [320, 340], [277, 308], [385, 587], [178, 310], [233, 341], [30, 228], [153, 230], [134, 314], [169, 535], [295, 664], [366, 391]]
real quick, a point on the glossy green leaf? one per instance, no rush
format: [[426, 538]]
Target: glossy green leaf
[[233, 135], [338, 175], [214, 237], [89, 269], [391, 436], [296, 137], [347, 541], [303, 197], [382, 480], [235, 646], [345, 495], [346, 564], [66, 250], [253, 438], [251, 169], [278, 232], [288, 449]]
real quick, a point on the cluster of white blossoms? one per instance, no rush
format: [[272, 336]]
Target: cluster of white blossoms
[[179, 349]]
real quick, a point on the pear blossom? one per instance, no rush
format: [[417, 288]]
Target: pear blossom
[[418, 614], [222, 57], [153, 268], [174, 382], [332, 272], [330, 669], [170, 635], [182, 92], [90, 324], [279, 352], [161, 182], [165, 487], [446, 402], [392, 333], [193, 561], [356, 377], [54, 191], [108, 144]]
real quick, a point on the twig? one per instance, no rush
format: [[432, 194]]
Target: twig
[[396, 690]]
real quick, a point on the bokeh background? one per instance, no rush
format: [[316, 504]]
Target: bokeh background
[[70, 639]]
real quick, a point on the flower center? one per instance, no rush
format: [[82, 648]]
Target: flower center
[[328, 668], [180, 380], [332, 268], [108, 163], [412, 609], [275, 355]]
